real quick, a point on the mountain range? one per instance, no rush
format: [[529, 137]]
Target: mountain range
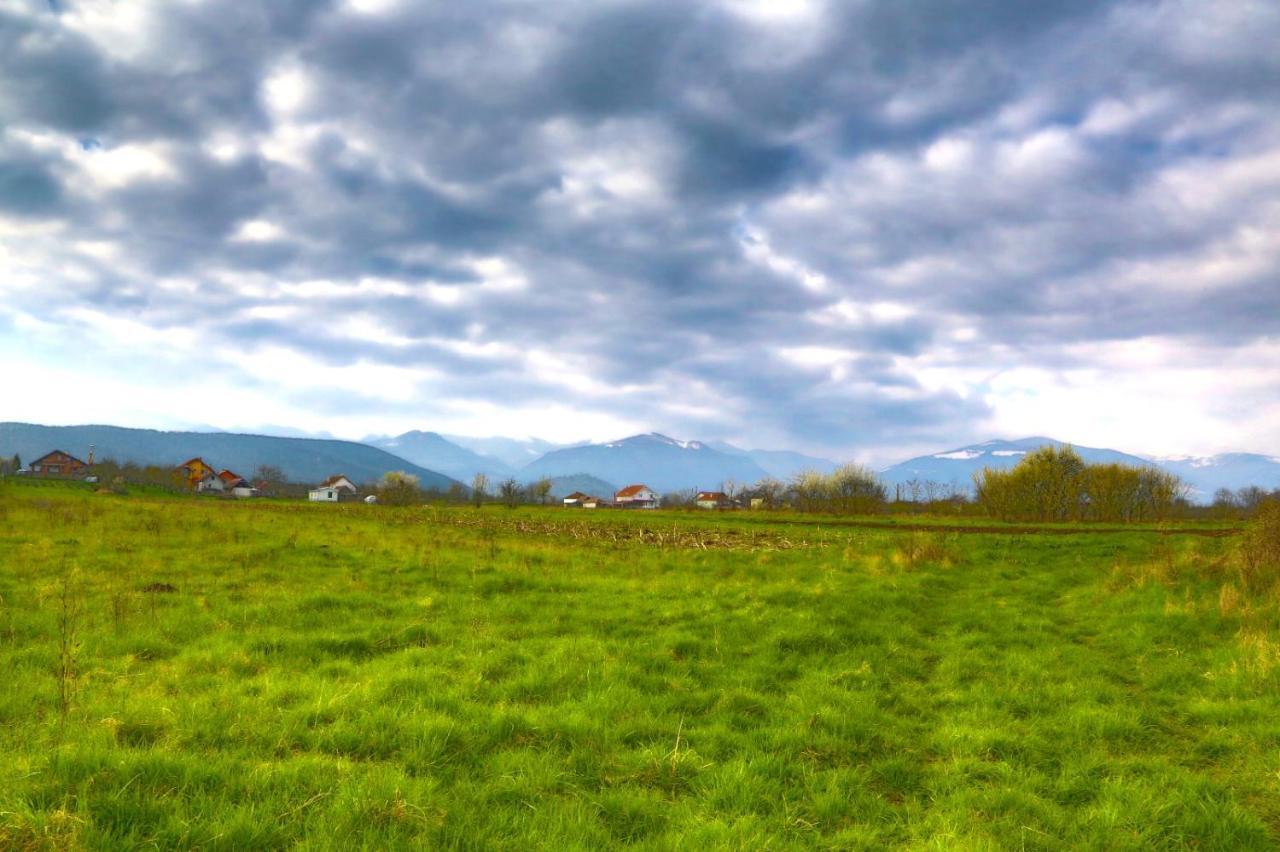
[[663, 463], [435, 452], [1206, 474], [301, 459], [1203, 475]]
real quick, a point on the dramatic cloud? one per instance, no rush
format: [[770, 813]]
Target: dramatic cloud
[[855, 228]]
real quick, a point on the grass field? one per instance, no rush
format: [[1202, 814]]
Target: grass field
[[183, 673]]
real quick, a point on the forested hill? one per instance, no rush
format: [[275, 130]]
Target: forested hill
[[303, 460]]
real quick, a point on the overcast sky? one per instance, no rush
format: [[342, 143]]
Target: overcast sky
[[865, 229]]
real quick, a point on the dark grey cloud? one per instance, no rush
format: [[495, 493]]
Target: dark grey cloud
[[28, 187], [686, 216]]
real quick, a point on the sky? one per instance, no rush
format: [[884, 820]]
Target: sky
[[863, 229]]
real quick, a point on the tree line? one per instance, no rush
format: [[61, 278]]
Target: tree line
[[1056, 484]]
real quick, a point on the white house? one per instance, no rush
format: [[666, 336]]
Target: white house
[[341, 483], [713, 500], [211, 483], [575, 500], [332, 490], [636, 497]]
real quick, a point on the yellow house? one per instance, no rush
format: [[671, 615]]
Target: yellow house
[[194, 470]]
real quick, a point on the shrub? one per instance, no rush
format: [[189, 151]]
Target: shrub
[[399, 489], [1260, 548], [851, 490], [1055, 484]]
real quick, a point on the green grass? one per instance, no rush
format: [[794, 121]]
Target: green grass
[[351, 676]]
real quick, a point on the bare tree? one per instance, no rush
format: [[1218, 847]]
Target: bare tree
[[682, 499], [770, 491], [540, 490], [1250, 497], [509, 490], [479, 489], [270, 474], [731, 488]]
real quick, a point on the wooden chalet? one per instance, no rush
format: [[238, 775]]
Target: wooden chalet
[[58, 465]]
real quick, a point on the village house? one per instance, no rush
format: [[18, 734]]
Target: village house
[[237, 485], [574, 500], [594, 503], [58, 464], [713, 500], [333, 490], [211, 483], [636, 497], [195, 471]]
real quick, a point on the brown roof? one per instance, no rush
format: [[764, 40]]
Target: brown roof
[[190, 462], [577, 495], [712, 495], [331, 480], [59, 453], [632, 490], [228, 476]]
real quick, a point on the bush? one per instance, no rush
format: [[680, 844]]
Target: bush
[[1055, 484], [399, 489], [1260, 548], [849, 490]]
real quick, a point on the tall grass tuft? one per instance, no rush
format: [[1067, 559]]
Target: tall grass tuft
[[1260, 550]]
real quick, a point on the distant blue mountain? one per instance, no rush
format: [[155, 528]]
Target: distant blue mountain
[[432, 450], [957, 467], [662, 463], [513, 452], [1207, 474], [780, 464], [303, 460], [1203, 476]]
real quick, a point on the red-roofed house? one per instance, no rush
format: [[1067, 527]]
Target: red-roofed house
[[237, 485], [713, 500], [636, 497]]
